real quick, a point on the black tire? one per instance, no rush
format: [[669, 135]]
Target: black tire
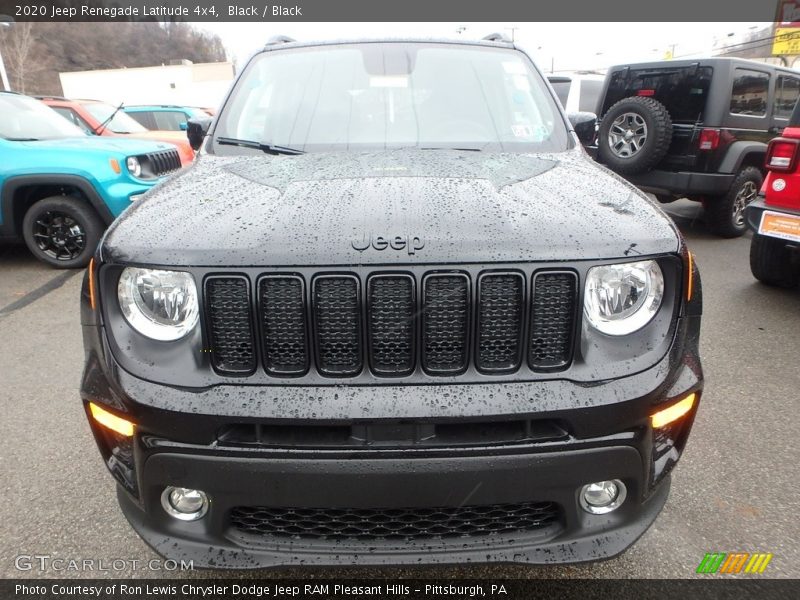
[[618, 135], [771, 262], [62, 231], [725, 214]]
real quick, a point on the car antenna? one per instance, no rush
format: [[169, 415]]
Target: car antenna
[[100, 128]]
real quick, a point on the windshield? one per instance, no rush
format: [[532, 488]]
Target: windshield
[[121, 123], [393, 95], [23, 118]]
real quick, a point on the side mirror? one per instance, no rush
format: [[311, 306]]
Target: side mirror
[[196, 130], [585, 126]]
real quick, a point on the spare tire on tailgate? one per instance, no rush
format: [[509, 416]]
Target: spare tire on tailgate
[[635, 134]]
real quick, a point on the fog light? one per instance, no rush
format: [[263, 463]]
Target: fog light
[[184, 503], [602, 496]]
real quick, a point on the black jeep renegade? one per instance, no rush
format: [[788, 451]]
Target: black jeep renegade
[[394, 314]]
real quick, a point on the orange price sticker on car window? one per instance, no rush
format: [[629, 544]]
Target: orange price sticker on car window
[[780, 225]]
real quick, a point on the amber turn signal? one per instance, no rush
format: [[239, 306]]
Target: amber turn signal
[[666, 416], [111, 421]]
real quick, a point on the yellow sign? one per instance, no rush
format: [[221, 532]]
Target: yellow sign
[[787, 41]]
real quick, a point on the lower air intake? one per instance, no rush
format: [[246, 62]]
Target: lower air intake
[[394, 523]]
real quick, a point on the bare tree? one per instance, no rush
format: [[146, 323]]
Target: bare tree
[[17, 49]]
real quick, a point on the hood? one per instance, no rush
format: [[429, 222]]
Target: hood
[[109, 145], [395, 207]]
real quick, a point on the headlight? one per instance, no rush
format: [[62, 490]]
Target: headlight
[[159, 304], [623, 298], [134, 166]]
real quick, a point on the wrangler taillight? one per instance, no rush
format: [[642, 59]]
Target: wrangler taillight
[[782, 155], [646, 93], [709, 139]]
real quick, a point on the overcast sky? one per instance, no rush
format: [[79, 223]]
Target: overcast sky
[[564, 46]]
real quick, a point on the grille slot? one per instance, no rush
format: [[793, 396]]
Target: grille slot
[[227, 301], [553, 306], [337, 318], [445, 323], [164, 162], [390, 319], [500, 320], [283, 325], [394, 523]]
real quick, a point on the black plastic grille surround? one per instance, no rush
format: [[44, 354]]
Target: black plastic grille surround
[[391, 326], [445, 323], [230, 324], [391, 308], [337, 318], [394, 523], [500, 318], [553, 314], [283, 324]]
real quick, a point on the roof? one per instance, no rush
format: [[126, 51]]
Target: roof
[[709, 61]]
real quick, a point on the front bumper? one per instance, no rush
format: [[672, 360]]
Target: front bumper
[[606, 435], [393, 483]]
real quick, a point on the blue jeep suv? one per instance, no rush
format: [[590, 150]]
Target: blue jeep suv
[[60, 188]]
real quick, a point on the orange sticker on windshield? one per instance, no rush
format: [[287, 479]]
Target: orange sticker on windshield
[[780, 225]]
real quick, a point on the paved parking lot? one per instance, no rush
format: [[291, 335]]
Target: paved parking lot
[[734, 490]]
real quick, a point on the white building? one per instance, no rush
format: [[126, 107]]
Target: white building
[[185, 84]]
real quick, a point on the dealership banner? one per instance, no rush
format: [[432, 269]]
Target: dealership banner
[[406, 10], [399, 589]]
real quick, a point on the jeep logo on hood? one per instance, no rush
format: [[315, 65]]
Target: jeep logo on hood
[[395, 242]]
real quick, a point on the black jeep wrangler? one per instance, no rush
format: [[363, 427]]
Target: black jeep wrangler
[[393, 314], [697, 129]]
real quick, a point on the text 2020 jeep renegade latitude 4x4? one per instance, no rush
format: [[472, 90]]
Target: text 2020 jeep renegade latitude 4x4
[[393, 314]]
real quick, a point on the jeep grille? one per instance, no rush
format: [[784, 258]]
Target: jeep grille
[[163, 162], [389, 325]]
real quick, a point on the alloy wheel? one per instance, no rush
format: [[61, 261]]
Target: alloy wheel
[[747, 193], [627, 135], [59, 235]]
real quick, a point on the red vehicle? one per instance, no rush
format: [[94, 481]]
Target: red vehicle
[[101, 118], [775, 216]]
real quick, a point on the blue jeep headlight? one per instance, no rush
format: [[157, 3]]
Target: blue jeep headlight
[[134, 166], [159, 304]]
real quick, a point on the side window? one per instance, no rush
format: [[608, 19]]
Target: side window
[[170, 120], [787, 91], [590, 95], [145, 118], [749, 93]]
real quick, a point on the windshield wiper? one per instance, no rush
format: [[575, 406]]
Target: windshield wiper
[[100, 128], [449, 148], [268, 148], [21, 139]]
